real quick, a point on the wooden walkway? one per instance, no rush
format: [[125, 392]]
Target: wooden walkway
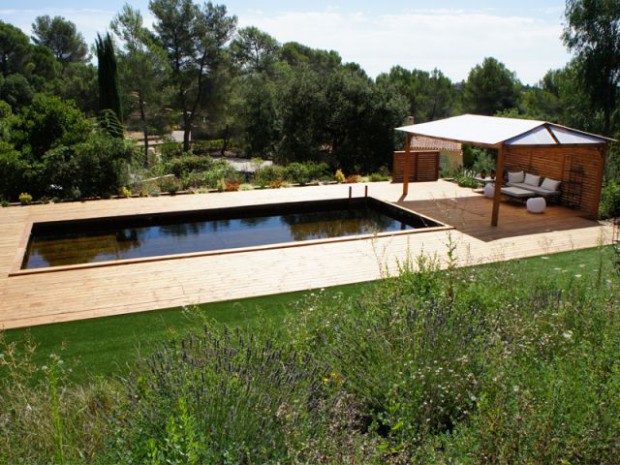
[[33, 299]]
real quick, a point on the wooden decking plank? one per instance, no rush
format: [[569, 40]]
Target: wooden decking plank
[[75, 294]]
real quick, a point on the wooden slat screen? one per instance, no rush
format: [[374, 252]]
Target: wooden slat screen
[[580, 168], [424, 166]]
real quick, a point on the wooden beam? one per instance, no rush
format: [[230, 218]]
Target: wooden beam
[[407, 165], [458, 141], [499, 174], [555, 139]]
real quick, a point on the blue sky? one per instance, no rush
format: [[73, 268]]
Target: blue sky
[[452, 35]]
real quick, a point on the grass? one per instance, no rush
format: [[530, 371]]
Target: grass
[[107, 346], [513, 362]]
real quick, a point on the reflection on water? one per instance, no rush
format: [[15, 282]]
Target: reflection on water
[[104, 243], [353, 222], [58, 251]]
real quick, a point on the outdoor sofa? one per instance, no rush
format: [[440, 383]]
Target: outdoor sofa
[[548, 188]]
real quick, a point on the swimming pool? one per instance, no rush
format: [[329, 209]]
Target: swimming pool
[[139, 237]]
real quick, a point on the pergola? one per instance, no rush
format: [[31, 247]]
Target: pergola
[[547, 149]]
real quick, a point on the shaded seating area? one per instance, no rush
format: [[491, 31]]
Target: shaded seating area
[[517, 192], [523, 185], [564, 165]]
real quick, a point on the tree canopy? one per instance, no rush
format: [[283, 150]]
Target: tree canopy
[[143, 71], [61, 37], [14, 49], [245, 92], [490, 88], [593, 33], [193, 38]]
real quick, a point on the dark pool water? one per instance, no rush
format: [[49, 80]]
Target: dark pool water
[[122, 238]]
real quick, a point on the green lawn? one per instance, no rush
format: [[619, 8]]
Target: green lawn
[[107, 346]]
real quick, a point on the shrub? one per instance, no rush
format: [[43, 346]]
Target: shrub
[[298, 172], [378, 177], [146, 189], [170, 150], [217, 398], [610, 200], [170, 184], [465, 179], [44, 418], [14, 171], [417, 367], [317, 170], [385, 171], [75, 193], [195, 179], [220, 170], [509, 363], [188, 163], [476, 365], [201, 147], [267, 174], [124, 192], [276, 184], [231, 186], [102, 163], [484, 163], [339, 176], [305, 172], [50, 122], [25, 198], [353, 178]]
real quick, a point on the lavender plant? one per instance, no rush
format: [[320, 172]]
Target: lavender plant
[[218, 397]]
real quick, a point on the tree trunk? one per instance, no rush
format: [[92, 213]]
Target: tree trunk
[[187, 131], [145, 129], [225, 139]]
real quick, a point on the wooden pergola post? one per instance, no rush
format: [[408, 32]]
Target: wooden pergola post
[[499, 174], [407, 165]]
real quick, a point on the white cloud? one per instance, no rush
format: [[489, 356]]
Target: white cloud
[[453, 41], [88, 21]]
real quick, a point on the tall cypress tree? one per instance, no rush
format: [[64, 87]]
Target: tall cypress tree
[[109, 96]]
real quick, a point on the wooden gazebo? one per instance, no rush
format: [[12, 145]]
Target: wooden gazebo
[[576, 158]]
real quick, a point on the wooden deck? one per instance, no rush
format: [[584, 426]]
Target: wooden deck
[[58, 296]]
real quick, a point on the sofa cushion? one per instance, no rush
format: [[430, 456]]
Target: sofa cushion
[[531, 180], [550, 184], [515, 176], [540, 191]]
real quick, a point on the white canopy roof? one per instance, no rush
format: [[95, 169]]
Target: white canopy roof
[[493, 130]]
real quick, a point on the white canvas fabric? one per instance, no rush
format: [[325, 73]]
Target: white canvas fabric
[[494, 130]]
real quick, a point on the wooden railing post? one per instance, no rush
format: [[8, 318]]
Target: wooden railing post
[[407, 165], [499, 174]]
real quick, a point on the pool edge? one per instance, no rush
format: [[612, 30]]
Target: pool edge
[[16, 269]]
